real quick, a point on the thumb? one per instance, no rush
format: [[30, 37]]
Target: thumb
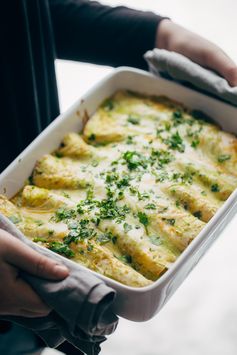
[[25, 258]]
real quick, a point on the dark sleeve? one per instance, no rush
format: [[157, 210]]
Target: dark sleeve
[[91, 32]]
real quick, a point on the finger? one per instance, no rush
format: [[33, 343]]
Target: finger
[[224, 65], [25, 258]]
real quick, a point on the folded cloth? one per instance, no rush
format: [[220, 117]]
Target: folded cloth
[[81, 304], [180, 68]]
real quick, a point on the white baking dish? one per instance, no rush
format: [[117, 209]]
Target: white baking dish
[[131, 303]]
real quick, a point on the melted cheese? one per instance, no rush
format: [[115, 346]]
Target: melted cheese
[[128, 195]]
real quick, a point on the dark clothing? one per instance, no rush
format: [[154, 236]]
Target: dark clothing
[[33, 33]]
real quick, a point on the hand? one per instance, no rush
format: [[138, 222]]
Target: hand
[[175, 38], [16, 296]]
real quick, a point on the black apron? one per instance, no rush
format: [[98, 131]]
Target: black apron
[[28, 92]]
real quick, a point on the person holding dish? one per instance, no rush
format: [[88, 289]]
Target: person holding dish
[[33, 34]]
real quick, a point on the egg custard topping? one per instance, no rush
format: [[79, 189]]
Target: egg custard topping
[[127, 195]]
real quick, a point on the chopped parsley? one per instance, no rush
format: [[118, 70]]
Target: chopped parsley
[[198, 214], [127, 259], [143, 218], [80, 231], [223, 157], [108, 209], [150, 206], [127, 227], [175, 142], [58, 154], [195, 143], [162, 157], [61, 248], [92, 137], [108, 104], [40, 239], [94, 163], [177, 117], [134, 120], [63, 213], [124, 182], [129, 140], [171, 221], [215, 188], [134, 160], [104, 238]]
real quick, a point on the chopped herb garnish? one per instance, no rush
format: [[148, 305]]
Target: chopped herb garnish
[[63, 213], [65, 194], [124, 182], [133, 120], [94, 163], [127, 227], [104, 238], [223, 157], [92, 137], [127, 259], [215, 188], [61, 248], [90, 247], [177, 117], [175, 142], [82, 231], [58, 154], [198, 214], [150, 206], [195, 143], [161, 157], [108, 104], [109, 210], [90, 193], [40, 239], [134, 160], [177, 203], [143, 218], [114, 239], [171, 221], [129, 140], [143, 196]]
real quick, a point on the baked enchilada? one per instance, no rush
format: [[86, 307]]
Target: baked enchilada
[[127, 195]]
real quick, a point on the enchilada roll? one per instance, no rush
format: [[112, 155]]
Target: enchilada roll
[[95, 257], [220, 184], [87, 252], [75, 147], [103, 128], [193, 200], [206, 172], [54, 173], [220, 147], [43, 199], [150, 259], [8, 209]]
